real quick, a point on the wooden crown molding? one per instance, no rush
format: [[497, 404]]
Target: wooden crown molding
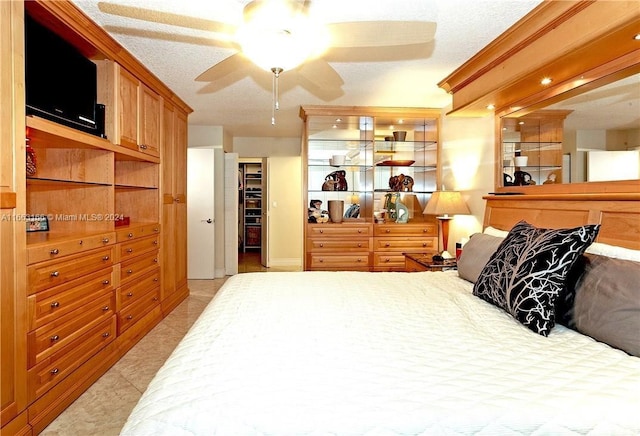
[[579, 44]]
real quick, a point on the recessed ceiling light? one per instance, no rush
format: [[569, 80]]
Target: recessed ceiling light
[[400, 121], [545, 81], [521, 122], [338, 120], [491, 106], [636, 36], [334, 126]]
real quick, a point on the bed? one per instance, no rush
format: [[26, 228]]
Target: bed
[[317, 353]]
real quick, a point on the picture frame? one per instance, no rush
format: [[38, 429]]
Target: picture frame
[[37, 223]]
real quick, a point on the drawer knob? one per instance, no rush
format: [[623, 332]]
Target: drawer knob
[[55, 304], [129, 316], [55, 251], [387, 245], [55, 274], [105, 335], [54, 371], [155, 298], [155, 229], [425, 230], [359, 245], [143, 147], [54, 338], [129, 250], [387, 259], [155, 260], [105, 258], [359, 230], [80, 242], [129, 294], [359, 260], [105, 282], [388, 231], [320, 260], [129, 271], [105, 240], [155, 242], [321, 245], [130, 235], [105, 309], [424, 244], [155, 279]]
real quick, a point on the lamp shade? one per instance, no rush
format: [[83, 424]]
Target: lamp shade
[[446, 203]]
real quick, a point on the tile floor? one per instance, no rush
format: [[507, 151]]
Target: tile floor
[[103, 409]]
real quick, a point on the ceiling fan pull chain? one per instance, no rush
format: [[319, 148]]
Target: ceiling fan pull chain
[[276, 102]]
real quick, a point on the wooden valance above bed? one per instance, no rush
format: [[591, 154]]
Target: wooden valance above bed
[[617, 212]]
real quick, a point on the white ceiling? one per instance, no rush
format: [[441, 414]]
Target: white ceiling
[[243, 107]]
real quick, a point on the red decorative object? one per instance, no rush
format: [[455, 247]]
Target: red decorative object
[[121, 221], [31, 160]]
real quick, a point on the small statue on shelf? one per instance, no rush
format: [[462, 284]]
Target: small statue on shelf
[[316, 214], [401, 183]]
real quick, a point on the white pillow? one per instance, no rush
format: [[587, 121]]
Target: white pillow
[[614, 251], [492, 231]]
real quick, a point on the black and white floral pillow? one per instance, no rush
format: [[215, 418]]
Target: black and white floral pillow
[[528, 271]]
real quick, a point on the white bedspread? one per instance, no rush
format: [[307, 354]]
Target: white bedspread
[[351, 353]]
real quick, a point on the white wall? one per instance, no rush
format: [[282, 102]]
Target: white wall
[[468, 147]]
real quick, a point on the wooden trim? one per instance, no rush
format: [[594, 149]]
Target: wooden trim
[[596, 40], [373, 111]]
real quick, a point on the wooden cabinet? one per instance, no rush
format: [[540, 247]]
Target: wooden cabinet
[[381, 164], [77, 297], [174, 207], [391, 241]]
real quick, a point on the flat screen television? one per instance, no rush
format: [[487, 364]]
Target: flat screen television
[[60, 83]]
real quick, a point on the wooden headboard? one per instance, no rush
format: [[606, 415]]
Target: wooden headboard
[[618, 213]]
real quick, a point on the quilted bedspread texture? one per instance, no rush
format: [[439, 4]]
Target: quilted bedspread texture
[[351, 353]]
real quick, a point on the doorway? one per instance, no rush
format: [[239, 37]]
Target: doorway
[[253, 215]]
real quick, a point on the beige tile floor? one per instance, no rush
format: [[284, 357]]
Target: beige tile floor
[[103, 409]]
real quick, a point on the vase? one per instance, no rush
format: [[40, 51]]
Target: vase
[[336, 210]]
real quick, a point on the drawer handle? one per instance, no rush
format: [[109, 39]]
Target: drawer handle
[[130, 235], [155, 279], [54, 338], [55, 304], [55, 274], [129, 316], [155, 298], [359, 260], [424, 244], [321, 230], [105, 240], [387, 259], [105, 282], [321, 245], [387, 245], [80, 242], [129, 294], [155, 260], [388, 231], [55, 251], [105, 309], [129, 250], [155, 229], [425, 230], [143, 146], [129, 271], [54, 371], [359, 245], [105, 258], [320, 260], [155, 242], [359, 230], [105, 335]]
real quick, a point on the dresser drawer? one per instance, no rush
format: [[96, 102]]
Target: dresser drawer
[[358, 262], [389, 260], [136, 267], [136, 289], [48, 339], [392, 229], [337, 244], [136, 311], [58, 249], [136, 247], [47, 305], [139, 231], [59, 365], [406, 244], [55, 272], [338, 230]]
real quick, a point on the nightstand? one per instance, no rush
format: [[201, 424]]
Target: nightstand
[[415, 262]]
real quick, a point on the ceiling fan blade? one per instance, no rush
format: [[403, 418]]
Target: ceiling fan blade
[[166, 36], [380, 33], [166, 18], [223, 68], [319, 73]]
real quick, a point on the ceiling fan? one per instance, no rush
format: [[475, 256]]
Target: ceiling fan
[[281, 35]]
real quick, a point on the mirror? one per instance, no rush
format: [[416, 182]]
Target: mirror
[[594, 136]]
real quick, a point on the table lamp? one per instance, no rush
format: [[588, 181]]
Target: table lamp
[[445, 204]]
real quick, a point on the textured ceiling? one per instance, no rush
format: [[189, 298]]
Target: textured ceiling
[[241, 102]]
